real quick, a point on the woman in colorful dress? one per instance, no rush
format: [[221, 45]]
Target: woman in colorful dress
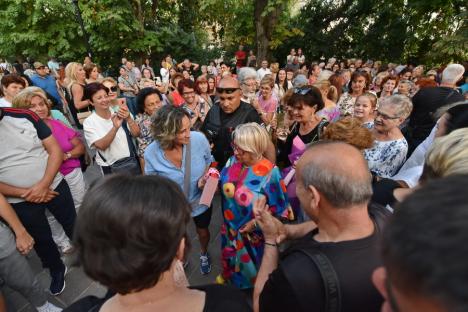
[[358, 84], [246, 176]]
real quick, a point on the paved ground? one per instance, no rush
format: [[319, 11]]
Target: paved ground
[[79, 285]]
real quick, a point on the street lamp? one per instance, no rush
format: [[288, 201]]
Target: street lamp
[[80, 21]]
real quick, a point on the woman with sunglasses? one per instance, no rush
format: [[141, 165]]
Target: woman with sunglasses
[[390, 147], [246, 176], [304, 104]]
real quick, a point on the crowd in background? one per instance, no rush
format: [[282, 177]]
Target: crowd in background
[[341, 182]]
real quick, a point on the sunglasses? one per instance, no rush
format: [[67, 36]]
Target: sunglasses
[[302, 90], [41, 67], [226, 90]]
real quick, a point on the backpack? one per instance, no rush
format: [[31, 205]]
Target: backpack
[[331, 283]]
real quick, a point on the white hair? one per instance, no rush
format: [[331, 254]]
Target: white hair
[[452, 73], [246, 73]]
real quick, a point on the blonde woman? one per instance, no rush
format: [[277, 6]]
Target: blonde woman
[[80, 108], [266, 102], [329, 93], [72, 147], [246, 176]]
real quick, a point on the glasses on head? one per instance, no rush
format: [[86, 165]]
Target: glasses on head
[[226, 90], [302, 90], [385, 116]]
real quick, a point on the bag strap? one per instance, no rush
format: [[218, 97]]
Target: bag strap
[[188, 169], [330, 280], [131, 146]]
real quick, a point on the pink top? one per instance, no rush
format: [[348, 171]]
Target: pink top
[[268, 106], [64, 135]]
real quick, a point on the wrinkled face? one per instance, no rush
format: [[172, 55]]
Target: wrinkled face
[[183, 137], [12, 90], [152, 104], [39, 107], [389, 85], [387, 118], [266, 91], [303, 113], [363, 108], [229, 102], [100, 100], [249, 86], [189, 95], [403, 88], [358, 85]]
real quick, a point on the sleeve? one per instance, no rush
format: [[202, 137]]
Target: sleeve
[[149, 152], [277, 294], [70, 133], [206, 149], [90, 132], [277, 198], [43, 131]]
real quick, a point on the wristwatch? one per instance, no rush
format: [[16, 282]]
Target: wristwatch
[[69, 155]]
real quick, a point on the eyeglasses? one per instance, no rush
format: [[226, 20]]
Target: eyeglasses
[[40, 67], [302, 90], [236, 148], [385, 116], [226, 90]]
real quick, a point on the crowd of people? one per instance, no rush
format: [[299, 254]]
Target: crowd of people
[[341, 183]]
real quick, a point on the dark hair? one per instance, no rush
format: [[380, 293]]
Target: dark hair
[[26, 77], [458, 117], [88, 68], [185, 83], [285, 82], [12, 78], [127, 239], [143, 94], [200, 80], [92, 88], [404, 71], [312, 98], [355, 75], [337, 80], [146, 68], [424, 244]]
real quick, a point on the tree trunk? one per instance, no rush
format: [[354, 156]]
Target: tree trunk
[[264, 27]]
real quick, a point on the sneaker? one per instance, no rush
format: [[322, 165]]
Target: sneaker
[[57, 283], [48, 307], [205, 265]]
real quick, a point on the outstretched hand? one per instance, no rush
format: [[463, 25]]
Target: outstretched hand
[[271, 227]]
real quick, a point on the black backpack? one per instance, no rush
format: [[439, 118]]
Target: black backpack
[[331, 283]]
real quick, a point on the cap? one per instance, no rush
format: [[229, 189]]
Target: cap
[[431, 72], [38, 64]]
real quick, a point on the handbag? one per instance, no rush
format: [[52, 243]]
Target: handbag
[[188, 169], [126, 165]]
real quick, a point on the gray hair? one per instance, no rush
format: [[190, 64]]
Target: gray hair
[[402, 102], [246, 73], [452, 73], [339, 188]]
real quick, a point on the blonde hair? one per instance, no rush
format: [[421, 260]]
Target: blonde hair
[[252, 138], [109, 79], [326, 85], [351, 131], [268, 80], [24, 97], [274, 67], [70, 73], [447, 156], [372, 98]]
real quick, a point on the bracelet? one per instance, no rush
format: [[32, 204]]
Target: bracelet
[[271, 244]]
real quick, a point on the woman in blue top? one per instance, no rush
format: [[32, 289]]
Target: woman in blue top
[[166, 157]]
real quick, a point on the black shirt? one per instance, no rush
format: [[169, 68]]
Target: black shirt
[[296, 285], [218, 128], [425, 103]]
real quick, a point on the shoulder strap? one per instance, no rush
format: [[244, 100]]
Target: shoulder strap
[[188, 169], [324, 122], [330, 280]]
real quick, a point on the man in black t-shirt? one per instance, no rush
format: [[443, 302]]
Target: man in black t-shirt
[[334, 188], [225, 116], [427, 101]]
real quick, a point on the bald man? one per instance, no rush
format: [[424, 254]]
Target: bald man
[[225, 116], [334, 189]]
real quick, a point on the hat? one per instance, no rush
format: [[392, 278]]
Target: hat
[[300, 81], [37, 65], [431, 72]]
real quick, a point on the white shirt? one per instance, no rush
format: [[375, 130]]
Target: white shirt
[[164, 75], [4, 102], [95, 128], [262, 72]]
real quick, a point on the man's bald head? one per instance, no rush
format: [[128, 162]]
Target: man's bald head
[[228, 82], [338, 171]]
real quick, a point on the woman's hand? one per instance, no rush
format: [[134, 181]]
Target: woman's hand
[[39, 193], [116, 121], [201, 182], [248, 227], [24, 242], [271, 227], [123, 112]]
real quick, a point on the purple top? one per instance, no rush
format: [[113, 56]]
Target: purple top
[[64, 135]]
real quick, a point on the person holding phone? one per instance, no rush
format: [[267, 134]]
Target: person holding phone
[[109, 132]]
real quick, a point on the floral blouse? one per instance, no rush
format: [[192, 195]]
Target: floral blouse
[[386, 157], [331, 114], [346, 104], [144, 139]]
